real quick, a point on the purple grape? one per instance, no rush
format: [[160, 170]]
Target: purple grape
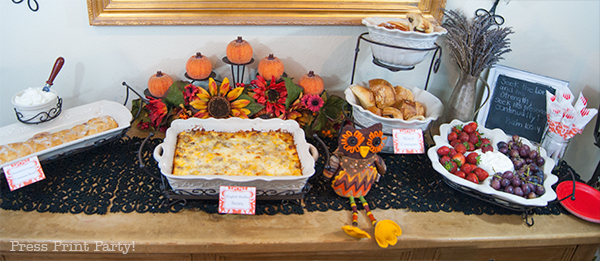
[[513, 153], [518, 163], [533, 154], [502, 144], [528, 160], [505, 182], [531, 195], [515, 182], [539, 190], [526, 190], [531, 187], [495, 184], [533, 168], [539, 160], [518, 191], [515, 138], [523, 151], [507, 174], [503, 150], [509, 189]]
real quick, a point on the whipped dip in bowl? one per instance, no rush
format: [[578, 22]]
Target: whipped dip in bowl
[[34, 105]]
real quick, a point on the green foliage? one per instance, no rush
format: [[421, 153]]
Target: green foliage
[[175, 94], [293, 92]]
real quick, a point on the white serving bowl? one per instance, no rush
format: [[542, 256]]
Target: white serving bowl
[[433, 110], [495, 136], [398, 57], [39, 112]]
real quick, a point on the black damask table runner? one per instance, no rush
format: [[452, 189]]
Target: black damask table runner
[[108, 178]]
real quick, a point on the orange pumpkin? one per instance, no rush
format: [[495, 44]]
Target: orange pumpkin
[[198, 67], [159, 84], [270, 66], [312, 83], [239, 51]]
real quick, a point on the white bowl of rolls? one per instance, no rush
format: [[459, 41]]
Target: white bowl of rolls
[[395, 107], [415, 31]]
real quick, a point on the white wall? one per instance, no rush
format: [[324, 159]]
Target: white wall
[[553, 38]]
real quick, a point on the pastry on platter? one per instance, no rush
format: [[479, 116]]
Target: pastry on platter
[[46, 140]]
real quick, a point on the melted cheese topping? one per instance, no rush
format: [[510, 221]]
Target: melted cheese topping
[[244, 153]]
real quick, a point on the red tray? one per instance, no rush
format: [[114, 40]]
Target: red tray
[[587, 200]]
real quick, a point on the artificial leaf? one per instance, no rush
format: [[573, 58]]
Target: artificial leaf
[[293, 91], [253, 106], [175, 94]]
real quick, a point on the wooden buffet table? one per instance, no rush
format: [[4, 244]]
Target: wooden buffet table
[[196, 235]]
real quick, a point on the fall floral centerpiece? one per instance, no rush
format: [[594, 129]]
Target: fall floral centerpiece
[[264, 98]]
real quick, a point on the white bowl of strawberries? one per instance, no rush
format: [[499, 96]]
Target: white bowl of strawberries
[[468, 155]]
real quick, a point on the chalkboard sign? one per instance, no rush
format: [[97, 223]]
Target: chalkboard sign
[[517, 102]]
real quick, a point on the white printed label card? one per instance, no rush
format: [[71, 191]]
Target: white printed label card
[[237, 200], [23, 173], [408, 141]]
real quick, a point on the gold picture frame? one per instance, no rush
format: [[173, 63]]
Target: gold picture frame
[[254, 12]]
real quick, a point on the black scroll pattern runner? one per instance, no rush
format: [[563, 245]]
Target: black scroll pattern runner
[[108, 178]]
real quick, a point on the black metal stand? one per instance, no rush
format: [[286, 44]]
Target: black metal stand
[[434, 65], [237, 70], [211, 75], [43, 116]]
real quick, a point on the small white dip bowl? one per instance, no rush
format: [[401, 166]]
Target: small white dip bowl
[[35, 113]]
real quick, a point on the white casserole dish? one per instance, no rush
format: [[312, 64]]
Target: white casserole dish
[[19, 132], [201, 185], [433, 105]]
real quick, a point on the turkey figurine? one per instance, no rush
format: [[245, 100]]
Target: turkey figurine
[[353, 169]]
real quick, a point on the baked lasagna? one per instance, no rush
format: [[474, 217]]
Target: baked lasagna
[[243, 153]]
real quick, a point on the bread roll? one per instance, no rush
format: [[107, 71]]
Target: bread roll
[[407, 107], [365, 96], [374, 110], [392, 112], [383, 91], [403, 93], [421, 110], [419, 23], [396, 25]]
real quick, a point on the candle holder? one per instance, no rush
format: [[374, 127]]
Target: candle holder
[[237, 70], [212, 75]]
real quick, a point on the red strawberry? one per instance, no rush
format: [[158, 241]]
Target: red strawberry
[[451, 166], [469, 146], [452, 152], [452, 136], [485, 141], [473, 178], [444, 160], [468, 128], [467, 168], [481, 173], [473, 138], [459, 158], [460, 148], [454, 142], [457, 129], [443, 150], [473, 158], [463, 136], [487, 147], [473, 125], [460, 174]]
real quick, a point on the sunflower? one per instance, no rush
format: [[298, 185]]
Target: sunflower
[[273, 96], [220, 102]]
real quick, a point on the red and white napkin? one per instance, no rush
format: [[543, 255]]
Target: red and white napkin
[[564, 119]]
